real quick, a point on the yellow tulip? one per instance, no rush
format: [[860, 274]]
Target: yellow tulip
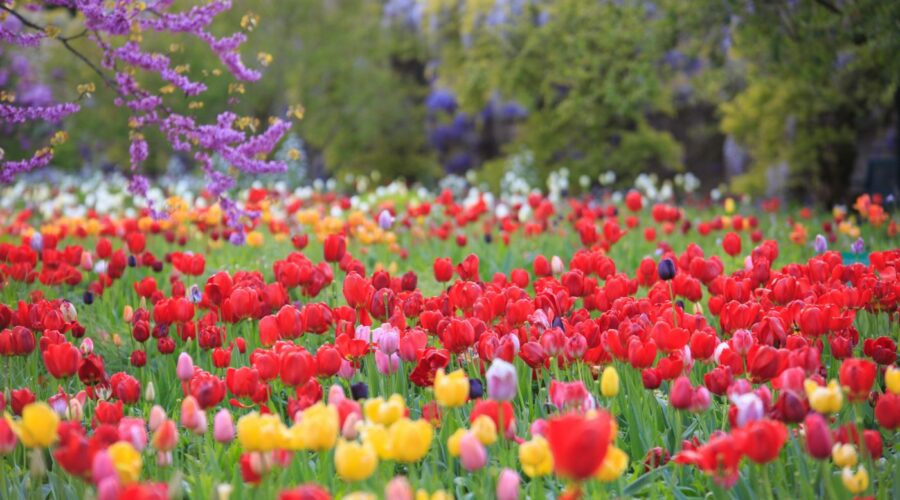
[[844, 455], [614, 464], [485, 430], [377, 436], [385, 412], [437, 495], [126, 460], [535, 457], [855, 483], [729, 205], [824, 399], [451, 390], [360, 495], [317, 430], [37, 429], [892, 379], [258, 432], [410, 440], [355, 461], [453, 442], [609, 382]]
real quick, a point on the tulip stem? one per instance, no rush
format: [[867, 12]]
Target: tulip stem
[[672, 300]]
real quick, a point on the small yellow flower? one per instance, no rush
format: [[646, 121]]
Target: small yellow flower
[[126, 460], [892, 379], [385, 412], [844, 455], [355, 461], [453, 442], [609, 382], [410, 440], [614, 464], [855, 483], [254, 239], [824, 399], [535, 457], [451, 390], [37, 429], [258, 432], [485, 430], [730, 206]]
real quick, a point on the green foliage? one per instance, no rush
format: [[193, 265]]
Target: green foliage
[[817, 77], [589, 75]]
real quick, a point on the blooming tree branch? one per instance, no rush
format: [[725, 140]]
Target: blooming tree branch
[[117, 29]]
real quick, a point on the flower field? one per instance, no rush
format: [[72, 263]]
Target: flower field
[[406, 344]]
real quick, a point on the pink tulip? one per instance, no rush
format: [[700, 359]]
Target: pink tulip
[[508, 485], [398, 489], [185, 367], [386, 363], [223, 426], [472, 454]]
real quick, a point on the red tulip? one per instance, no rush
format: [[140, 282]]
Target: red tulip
[[731, 243], [887, 411], [242, 382], [542, 266], [818, 436], [356, 290], [458, 336], [762, 440], [125, 387], [328, 361], [858, 375], [62, 360], [719, 458], [108, 413], [335, 246], [578, 444], [882, 350], [19, 399], [297, 367], [443, 269]]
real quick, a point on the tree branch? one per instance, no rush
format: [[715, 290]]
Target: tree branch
[[65, 41]]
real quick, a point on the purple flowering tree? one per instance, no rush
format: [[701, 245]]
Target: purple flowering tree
[[117, 29]]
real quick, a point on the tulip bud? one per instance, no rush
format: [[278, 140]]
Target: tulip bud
[[223, 491], [185, 367], [8, 438], [157, 417], [398, 489], [666, 269], [87, 261], [502, 381], [68, 311], [74, 410], [472, 454], [508, 485], [349, 430], [223, 426], [892, 379], [609, 382], [336, 394], [87, 346], [127, 314], [556, 265], [150, 391]]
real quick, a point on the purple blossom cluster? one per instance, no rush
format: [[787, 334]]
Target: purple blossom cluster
[[113, 27]]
